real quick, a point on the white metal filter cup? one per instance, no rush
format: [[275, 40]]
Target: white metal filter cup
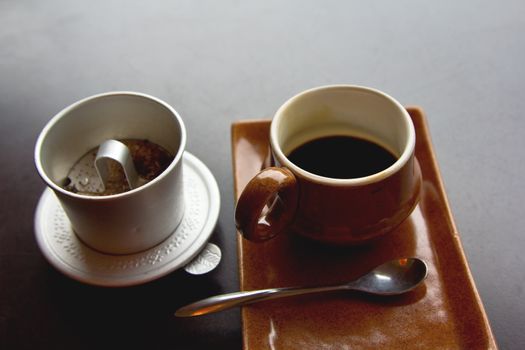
[[128, 222]]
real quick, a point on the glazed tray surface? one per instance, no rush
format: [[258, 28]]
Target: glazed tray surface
[[445, 312]]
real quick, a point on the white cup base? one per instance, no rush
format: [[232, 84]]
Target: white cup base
[[71, 256]]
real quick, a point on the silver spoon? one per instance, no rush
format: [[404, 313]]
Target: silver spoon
[[391, 278]]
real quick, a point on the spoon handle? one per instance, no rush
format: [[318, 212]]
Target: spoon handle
[[226, 301]]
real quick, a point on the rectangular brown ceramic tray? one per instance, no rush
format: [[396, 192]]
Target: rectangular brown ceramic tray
[[445, 313]]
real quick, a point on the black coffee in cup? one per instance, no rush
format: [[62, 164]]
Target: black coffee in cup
[[342, 157]]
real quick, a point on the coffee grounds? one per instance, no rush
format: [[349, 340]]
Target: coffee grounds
[[150, 161]]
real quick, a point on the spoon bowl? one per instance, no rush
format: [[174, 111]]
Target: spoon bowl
[[391, 278]]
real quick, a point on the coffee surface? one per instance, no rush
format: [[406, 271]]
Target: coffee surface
[[341, 157], [149, 159]]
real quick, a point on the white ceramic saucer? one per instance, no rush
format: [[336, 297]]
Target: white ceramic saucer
[[68, 254]]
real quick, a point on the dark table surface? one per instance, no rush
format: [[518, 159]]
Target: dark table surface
[[217, 62]]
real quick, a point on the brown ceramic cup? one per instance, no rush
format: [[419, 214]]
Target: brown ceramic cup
[[332, 210]]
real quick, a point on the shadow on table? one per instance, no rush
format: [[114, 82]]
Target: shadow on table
[[141, 316]]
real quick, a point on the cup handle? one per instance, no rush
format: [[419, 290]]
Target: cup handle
[[267, 204]]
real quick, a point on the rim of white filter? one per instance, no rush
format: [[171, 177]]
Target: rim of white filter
[[38, 147]]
